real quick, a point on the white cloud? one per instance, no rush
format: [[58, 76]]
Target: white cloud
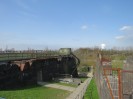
[[84, 27], [120, 37], [126, 38], [127, 28], [127, 32]]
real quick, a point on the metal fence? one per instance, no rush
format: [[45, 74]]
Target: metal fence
[[113, 80], [127, 84], [101, 83], [115, 83], [127, 78]]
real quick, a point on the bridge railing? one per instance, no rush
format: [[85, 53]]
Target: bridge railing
[[23, 55]]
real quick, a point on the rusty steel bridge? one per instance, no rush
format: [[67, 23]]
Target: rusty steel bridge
[[19, 69]]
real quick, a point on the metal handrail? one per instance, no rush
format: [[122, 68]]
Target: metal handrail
[[16, 56]]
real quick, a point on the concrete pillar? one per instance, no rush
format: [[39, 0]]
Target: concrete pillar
[[39, 75]]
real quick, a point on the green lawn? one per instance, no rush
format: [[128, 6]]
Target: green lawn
[[91, 92], [38, 92]]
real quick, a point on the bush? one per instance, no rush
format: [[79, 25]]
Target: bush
[[84, 69]]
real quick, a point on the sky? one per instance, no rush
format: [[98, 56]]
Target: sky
[[53, 24]]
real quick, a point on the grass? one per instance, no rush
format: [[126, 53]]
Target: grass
[[37, 92], [117, 64], [118, 57], [83, 79], [91, 92]]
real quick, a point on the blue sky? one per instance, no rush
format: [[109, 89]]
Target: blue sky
[[40, 24]]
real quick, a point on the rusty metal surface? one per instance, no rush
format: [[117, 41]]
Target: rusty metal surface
[[25, 71], [108, 83]]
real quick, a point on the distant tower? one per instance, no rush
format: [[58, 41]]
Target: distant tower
[[102, 46]]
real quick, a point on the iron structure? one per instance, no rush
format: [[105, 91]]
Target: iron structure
[[21, 69]]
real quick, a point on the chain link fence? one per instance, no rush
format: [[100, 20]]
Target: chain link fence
[[115, 83], [102, 87], [127, 78]]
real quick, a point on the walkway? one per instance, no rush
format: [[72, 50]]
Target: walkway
[[77, 93], [57, 86]]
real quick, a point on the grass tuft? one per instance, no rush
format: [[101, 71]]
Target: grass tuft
[[91, 92]]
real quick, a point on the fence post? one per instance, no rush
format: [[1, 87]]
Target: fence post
[[111, 93], [120, 83]]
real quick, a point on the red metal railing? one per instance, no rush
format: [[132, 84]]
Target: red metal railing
[[113, 79]]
